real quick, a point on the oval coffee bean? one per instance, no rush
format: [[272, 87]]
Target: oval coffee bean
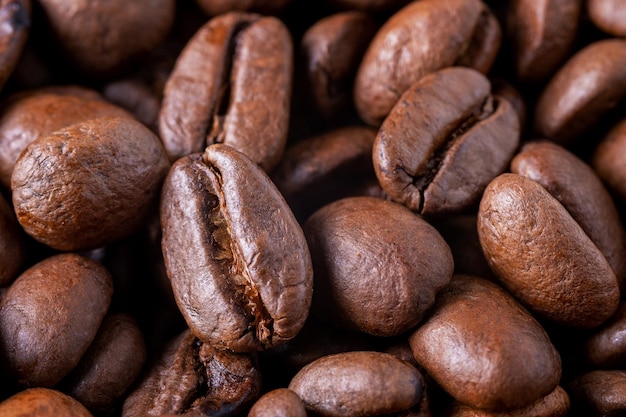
[[378, 266], [29, 115], [90, 184], [231, 84], [443, 141], [422, 37], [331, 51], [542, 32], [599, 393], [608, 15], [542, 256], [15, 22], [50, 315], [237, 258], [110, 366], [485, 349], [351, 383], [193, 378], [590, 83], [280, 402], [42, 402], [607, 161], [606, 347], [574, 183], [100, 38], [555, 404]]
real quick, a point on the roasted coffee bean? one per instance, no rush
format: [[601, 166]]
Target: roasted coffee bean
[[606, 348], [26, 116], [194, 379], [543, 256], [323, 168], [608, 15], [281, 402], [50, 315], [331, 52], [477, 344], [100, 38], [420, 38], [588, 85], [599, 393], [607, 161], [15, 22], [12, 244], [351, 383], [90, 184], [42, 402], [109, 367], [582, 194], [541, 33], [443, 141], [216, 7], [378, 266], [231, 84], [504, 89], [236, 256], [555, 404]]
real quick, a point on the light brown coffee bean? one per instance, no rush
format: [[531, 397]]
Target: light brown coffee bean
[[351, 383], [542, 256], [607, 161], [443, 141], [90, 184], [377, 266], [422, 37], [574, 183], [485, 349], [237, 258], [50, 315], [588, 85], [608, 15], [281, 402], [231, 84], [42, 402]]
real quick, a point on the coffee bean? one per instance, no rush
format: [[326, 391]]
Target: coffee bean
[[422, 37], [599, 393], [237, 258], [15, 23], [588, 85], [543, 256], [608, 15], [349, 384], [42, 402], [607, 163], [50, 315], [443, 141], [606, 347], [542, 34], [281, 402], [378, 266], [193, 378], [90, 184], [231, 84]]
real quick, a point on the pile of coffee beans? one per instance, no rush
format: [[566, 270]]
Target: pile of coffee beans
[[348, 208]]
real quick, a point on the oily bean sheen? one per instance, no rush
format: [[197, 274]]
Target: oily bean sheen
[[15, 22], [194, 379], [582, 194], [590, 83], [12, 244], [359, 383], [231, 84], [542, 256], [484, 348], [606, 348], [608, 15], [607, 160], [50, 315], [42, 402], [542, 33], [237, 259], [100, 37], [443, 141], [281, 402], [422, 37], [90, 184], [378, 266], [599, 393], [29, 115], [555, 404]]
